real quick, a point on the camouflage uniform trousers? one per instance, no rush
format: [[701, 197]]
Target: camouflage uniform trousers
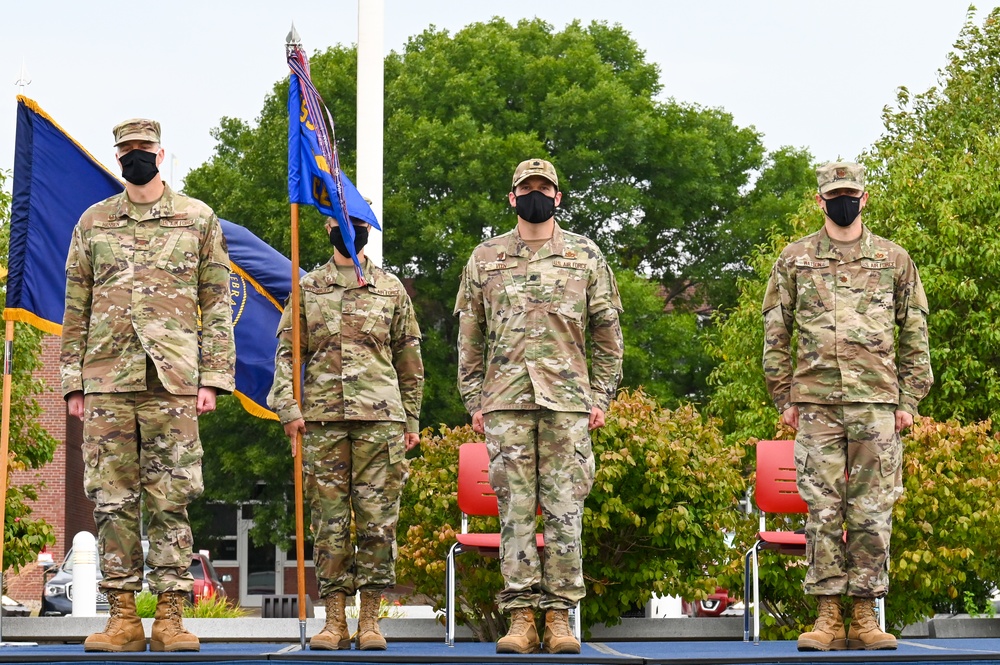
[[541, 459], [848, 459], [144, 446], [357, 467]]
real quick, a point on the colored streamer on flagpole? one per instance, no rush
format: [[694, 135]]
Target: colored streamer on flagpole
[[292, 47]]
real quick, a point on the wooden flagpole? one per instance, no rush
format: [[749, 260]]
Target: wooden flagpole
[[8, 360], [300, 544]]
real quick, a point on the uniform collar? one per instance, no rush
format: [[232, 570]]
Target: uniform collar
[[555, 246], [334, 276], [165, 207], [867, 248]]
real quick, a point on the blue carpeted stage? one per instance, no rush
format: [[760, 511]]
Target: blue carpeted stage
[[722, 652]]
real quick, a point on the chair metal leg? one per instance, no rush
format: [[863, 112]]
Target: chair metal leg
[[449, 596], [756, 594], [880, 607], [746, 597], [577, 620]]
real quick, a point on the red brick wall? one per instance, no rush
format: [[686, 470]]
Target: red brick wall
[[51, 503]]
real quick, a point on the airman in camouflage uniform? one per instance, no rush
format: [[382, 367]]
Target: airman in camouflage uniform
[[527, 300], [147, 345], [361, 399], [850, 393]]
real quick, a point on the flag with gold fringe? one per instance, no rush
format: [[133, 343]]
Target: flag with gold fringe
[[55, 180]]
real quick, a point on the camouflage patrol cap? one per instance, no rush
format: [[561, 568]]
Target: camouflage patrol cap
[[137, 129], [840, 175], [539, 167]]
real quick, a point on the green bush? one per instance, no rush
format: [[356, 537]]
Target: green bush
[[663, 502], [656, 520], [216, 607], [946, 524]]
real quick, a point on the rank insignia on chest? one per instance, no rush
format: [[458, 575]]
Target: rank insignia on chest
[[570, 254], [501, 256], [879, 255]]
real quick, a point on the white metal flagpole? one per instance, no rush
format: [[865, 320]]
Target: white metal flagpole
[[371, 112]]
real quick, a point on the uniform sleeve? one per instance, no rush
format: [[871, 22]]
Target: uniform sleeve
[[607, 344], [779, 317], [914, 360], [407, 361], [76, 316], [217, 365], [471, 338], [281, 399]]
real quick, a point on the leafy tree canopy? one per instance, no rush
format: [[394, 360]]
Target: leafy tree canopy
[[658, 184]]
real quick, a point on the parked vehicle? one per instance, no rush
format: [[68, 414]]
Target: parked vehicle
[[57, 590], [717, 604], [206, 581]]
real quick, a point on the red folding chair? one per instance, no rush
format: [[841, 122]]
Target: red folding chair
[[476, 498], [775, 492]]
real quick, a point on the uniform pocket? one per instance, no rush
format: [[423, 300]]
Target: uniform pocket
[[587, 467], [890, 459], [329, 302], [497, 471], [397, 447], [813, 296], [180, 253], [107, 256], [569, 297], [379, 317]]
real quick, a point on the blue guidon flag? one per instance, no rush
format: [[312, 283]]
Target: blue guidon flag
[[314, 174], [55, 180]]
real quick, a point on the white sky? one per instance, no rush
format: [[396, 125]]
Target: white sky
[[803, 72]]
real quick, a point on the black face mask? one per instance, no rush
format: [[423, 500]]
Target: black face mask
[[535, 207], [843, 210], [138, 166], [360, 239]]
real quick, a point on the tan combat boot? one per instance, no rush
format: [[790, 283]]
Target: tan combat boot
[[168, 629], [369, 636], [558, 638], [522, 636], [865, 632], [828, 631], [335, 634], [124, 630]]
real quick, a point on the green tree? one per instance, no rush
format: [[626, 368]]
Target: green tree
[[933, 187], [663, 351], [31, 446], [253, 457], [652, 182], [787, 176]]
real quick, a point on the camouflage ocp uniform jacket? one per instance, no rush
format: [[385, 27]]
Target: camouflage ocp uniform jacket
[[360, 348], [156, 286], [523, 318], [846, 310]]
